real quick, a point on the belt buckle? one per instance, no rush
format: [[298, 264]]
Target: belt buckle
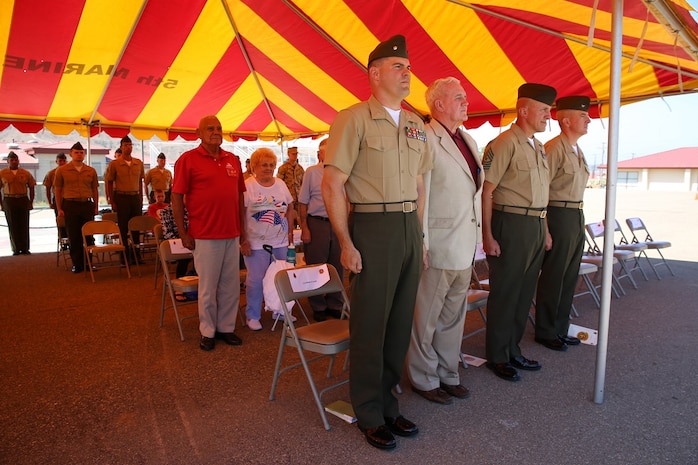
[[581, 205], [407, 207], [543, 214]]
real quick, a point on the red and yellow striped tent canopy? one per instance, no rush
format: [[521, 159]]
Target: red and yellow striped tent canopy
[[281, 69]]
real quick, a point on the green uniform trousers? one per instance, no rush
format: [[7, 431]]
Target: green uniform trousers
[[382, 306], [560, 272], [513, 277]]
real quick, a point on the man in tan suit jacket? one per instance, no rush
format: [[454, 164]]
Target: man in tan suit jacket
[[452, 216]]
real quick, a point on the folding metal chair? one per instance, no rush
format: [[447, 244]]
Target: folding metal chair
[[596, 231], [63, 244], [142, 226], [476, 300], [637, 247], [92, 251], [637, 225], [171, 285], [326, 338], [586, 269]]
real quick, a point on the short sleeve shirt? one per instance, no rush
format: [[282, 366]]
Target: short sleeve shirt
[[158, 179], [211, 190], [127, 176], [311, 191], [76, 184], [265, 211], [519, 172], [569, 171], [16, 183], [381, 159]]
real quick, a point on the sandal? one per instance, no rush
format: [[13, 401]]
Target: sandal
[[180, 297]]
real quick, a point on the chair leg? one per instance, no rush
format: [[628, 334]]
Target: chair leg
[[627, 272]]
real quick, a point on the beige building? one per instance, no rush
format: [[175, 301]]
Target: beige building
[[674, 170]]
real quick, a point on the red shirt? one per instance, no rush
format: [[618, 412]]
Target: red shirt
[[212, 191]]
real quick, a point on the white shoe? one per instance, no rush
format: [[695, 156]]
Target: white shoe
[[254, 325], [281, 317]]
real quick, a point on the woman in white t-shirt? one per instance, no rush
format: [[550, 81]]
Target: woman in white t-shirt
[[268, 213]]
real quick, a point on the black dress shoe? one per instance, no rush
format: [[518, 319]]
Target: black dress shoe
[[207, 343], [379, 437], [401, 426], [570, 340], [504, 371], [436, 395], [229, 338], [456, 390], [553, 344], [319, 316], [523, 363], [76, 269]]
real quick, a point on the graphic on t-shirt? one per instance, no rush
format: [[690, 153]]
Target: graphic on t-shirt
[[270, 211]]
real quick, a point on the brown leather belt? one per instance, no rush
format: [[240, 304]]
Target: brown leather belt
[[80, 199], [15, 196], [566, 204], [537, 212], [407, 206], [126, 192]]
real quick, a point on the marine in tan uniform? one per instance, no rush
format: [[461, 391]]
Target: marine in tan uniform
[[159, 178], [569, 174], [378, 152], [514, 201], [50, 192], [124, 185], [77, 195], [16, 184]]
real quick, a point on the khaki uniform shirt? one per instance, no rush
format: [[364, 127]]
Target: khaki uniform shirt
[[381, 159], [520, 173], [293, 177], [48, 181], [16, 183], [126, 178], [76, 184], [569, 171], [158, 179]]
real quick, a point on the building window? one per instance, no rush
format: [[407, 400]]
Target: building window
[[628, 177]]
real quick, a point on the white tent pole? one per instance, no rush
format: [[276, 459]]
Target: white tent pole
[[611, 175]]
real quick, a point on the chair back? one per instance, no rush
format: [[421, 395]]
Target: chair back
[[636, 224], [142, 223], [111, 216], [287, 294], [100, 227], [594, 231], [157, 232], [166, 254]]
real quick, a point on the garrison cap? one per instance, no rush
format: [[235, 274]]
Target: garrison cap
[[162, 156], [575, 102], [393, 47], [12, 155], [539, 92], [60, 156], [126, 140], [77, 146]]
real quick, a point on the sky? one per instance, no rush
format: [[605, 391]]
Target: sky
[[645, 128]]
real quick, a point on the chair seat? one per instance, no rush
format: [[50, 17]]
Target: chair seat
[[637, 247], [100, 248], [587, 268], [328, 332], [185, 285], [658, 244]]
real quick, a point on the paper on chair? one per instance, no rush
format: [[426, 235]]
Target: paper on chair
[[308, 279], [586, 335], [176, 246]]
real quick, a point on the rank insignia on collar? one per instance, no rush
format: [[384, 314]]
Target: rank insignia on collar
[[414, 133]]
